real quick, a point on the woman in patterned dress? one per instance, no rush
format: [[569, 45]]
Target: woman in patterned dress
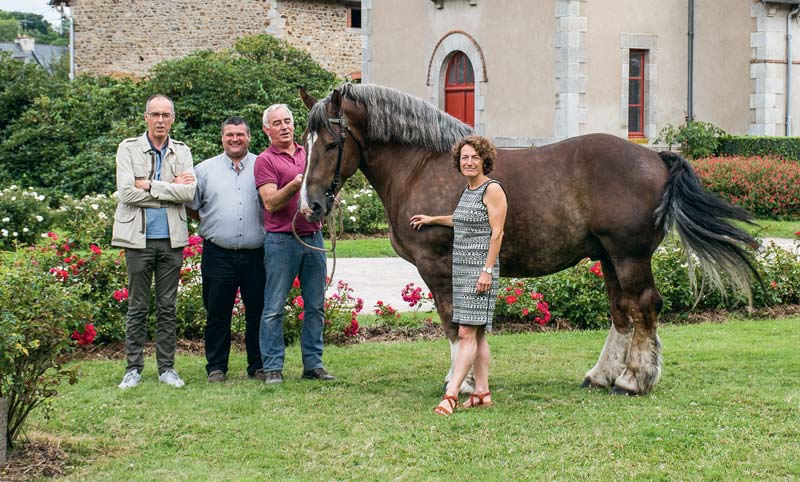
[[478, 233]]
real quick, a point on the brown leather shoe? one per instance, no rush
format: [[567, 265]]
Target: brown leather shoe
[[216, 376]]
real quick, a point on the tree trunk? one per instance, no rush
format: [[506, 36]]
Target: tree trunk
[[3, 427]]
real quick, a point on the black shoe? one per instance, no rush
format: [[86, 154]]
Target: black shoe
[[273, 377], [216, 376], [260, 375], [318, 374]]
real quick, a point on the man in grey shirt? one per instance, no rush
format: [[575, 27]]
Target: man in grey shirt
[[231, 223]]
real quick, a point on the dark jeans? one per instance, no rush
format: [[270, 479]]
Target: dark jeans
[[225, 271], [158, 258], [284, 259]]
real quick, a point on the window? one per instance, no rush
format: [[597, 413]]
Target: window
[[354, 17], [459, 89], [636, 98]]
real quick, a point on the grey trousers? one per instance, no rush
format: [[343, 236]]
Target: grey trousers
[[158, 258]]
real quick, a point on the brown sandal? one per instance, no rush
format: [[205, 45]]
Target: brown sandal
[[440, 410], [476, 400]]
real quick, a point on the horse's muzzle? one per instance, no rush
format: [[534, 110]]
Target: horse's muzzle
[[317, 212]]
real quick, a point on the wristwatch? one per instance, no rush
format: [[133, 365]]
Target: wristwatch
[[486, 270]]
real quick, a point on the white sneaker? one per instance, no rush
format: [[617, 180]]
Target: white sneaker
[[170, 377], [130, 380]]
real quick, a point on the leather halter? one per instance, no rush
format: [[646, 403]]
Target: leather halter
[[330, 193]]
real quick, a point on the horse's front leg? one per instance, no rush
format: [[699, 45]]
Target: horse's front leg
[[441, 286]]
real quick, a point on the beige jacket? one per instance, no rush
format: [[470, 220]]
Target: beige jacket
[[135, 160]]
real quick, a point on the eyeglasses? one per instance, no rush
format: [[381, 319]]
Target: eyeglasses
[[163, 115]]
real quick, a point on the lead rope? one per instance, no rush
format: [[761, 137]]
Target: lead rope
[[331, 222]]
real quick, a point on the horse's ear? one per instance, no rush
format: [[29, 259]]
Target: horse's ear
[[336, 100], [308, 100]]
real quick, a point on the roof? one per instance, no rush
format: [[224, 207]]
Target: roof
[[44, 55]]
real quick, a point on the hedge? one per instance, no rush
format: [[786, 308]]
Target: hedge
[[746, 146]]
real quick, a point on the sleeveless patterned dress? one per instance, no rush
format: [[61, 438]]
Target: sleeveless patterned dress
[[470, 248]]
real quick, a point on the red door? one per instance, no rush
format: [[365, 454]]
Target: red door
[[459, 89]]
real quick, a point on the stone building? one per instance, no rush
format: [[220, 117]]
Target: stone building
[[528, 72], [128, 37]]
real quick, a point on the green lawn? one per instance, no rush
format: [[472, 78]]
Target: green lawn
[[771, 228], [363, 248], [727, 408]]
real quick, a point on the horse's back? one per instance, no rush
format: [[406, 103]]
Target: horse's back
[[565, 198]]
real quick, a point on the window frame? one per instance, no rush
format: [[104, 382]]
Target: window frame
[[642, 54]]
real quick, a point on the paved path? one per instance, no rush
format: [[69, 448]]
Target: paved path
[[374, 279]]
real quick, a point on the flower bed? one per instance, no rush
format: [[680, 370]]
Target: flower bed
[[765, 186]]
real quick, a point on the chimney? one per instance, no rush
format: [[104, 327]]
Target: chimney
[[25, 43]]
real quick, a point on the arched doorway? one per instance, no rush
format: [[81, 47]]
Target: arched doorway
[[459, 89]]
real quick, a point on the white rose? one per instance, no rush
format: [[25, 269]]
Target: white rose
[[5, 232], [94, 206], [15, 234], [351, 208], [25, 230], [39, 218], [13, 198], [353, 218], [6, 219]]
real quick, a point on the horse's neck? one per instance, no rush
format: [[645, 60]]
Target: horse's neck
[[393, 169]]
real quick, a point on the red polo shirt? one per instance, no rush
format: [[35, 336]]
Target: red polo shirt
[[274, 166]]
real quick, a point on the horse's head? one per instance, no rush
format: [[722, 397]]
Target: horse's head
[[334, 144]]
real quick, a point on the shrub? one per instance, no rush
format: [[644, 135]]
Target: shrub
[[38, 311], [88, 219], [767, 187], [341, 312], [362, 211], [24, 215], [517, 303], [694, 139], [578, 294], [747, 146]]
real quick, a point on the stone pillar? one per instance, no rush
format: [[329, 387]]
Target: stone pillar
[[570, 72], [366, 33], [3, 428], [768, 70]]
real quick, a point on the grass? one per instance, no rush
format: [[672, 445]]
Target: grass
[[363, 248], [727, 408], [772, 228]]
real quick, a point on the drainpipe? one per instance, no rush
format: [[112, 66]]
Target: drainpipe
[[71, 40], [690, 67], [792, 14]]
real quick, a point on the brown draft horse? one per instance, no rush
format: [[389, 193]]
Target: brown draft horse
[[595, 196]]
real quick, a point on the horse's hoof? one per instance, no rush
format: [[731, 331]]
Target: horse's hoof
[[587, 383], [623, 391]]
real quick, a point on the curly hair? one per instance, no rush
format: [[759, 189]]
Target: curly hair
[[482, 145]]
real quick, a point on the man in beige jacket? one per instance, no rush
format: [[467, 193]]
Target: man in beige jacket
[[154, 179]]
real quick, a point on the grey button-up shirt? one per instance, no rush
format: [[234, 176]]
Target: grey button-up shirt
[[228, 203]]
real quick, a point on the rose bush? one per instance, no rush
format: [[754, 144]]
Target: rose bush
[[765, 186], [24, 214]]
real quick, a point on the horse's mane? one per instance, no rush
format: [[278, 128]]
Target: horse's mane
[[393, 116]]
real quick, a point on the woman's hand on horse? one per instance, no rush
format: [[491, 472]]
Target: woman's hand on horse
[[484, 283], [419, 220]]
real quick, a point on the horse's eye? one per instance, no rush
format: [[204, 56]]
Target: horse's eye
[[330, 146]]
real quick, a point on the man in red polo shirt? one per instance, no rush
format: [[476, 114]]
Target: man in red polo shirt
[[279, 175]]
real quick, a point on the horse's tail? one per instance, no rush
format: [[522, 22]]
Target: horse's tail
[[701, 219]]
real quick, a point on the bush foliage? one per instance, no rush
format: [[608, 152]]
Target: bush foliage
[[694, 139], [61, 135], [747, 146], [767, 187]]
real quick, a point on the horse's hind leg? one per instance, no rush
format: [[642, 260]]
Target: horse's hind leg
[[611, 362], [641, 301]]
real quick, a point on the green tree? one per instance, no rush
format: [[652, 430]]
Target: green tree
[[9, 28], [33, 25]]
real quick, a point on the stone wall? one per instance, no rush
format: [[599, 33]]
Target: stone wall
[[128, 37], [320, 27]]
